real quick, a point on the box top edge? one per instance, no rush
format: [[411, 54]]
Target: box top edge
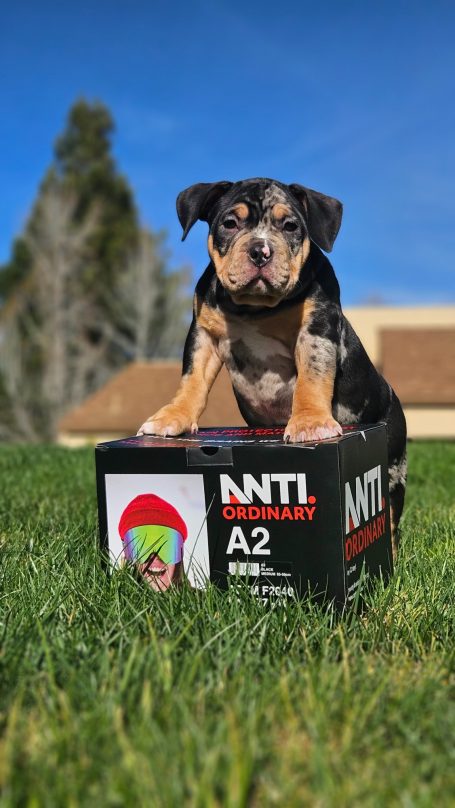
[[231, 436]]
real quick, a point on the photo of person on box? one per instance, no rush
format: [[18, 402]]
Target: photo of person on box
[[153, 535]]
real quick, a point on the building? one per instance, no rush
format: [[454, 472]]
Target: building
[[136, 392], [414, 347]]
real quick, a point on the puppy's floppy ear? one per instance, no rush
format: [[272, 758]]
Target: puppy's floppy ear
[[196, 202], [323, 215]]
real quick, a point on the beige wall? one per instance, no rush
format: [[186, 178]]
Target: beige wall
[[430, 422], [368, 321], [75, 440]]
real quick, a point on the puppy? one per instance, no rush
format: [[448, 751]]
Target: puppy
[[268, 307]]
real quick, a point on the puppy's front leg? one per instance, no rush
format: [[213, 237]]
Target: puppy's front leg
[[201, 365], [311, 417]]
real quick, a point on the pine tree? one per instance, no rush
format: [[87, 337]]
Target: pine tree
[[84, 165], [84, 162], [86, 289]]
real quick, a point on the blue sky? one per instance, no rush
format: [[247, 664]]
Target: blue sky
[[354, 99]]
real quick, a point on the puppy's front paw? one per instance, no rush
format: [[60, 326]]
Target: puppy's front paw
[[304, 428], [169, 420]]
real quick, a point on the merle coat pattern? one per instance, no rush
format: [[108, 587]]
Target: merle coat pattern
[[268, 307]]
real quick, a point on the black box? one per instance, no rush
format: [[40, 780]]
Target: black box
[[286, 518]]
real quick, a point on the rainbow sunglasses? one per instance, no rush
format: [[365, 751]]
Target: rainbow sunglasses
[[141, 542]]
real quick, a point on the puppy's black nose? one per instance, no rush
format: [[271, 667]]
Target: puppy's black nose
[[260, 252]]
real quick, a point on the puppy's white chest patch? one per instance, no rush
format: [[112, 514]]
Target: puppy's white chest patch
[[263, 374]]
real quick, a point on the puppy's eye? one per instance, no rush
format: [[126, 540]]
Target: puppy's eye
[[230, 224], [290, 226]]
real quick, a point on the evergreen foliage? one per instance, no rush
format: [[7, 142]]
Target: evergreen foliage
[[84, 163], [86, 288]]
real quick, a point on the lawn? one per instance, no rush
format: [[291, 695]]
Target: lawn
[[111, 695]]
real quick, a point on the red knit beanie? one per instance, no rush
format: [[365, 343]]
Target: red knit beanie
[[148, 509]]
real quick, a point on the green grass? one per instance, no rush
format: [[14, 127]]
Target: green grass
[[111, 695]]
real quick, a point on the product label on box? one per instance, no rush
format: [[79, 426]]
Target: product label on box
[[266, 579], [239, 507], [266, 527], [137, 503], [366, 520]]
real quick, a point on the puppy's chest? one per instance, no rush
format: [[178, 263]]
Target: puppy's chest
[[262, 371]]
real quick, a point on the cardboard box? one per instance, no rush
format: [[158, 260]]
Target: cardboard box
[[285, 518]]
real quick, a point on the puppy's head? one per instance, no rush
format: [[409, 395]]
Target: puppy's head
[[259, 233]]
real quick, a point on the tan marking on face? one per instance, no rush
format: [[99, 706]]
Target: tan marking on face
[[280, 211], [241, 210], [229, 267], [235, 270], [298, 260], [220, 262]]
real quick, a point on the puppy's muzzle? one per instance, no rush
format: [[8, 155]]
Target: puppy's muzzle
[[260, 253]]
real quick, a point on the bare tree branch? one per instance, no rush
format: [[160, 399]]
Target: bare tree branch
[[54, 317]]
